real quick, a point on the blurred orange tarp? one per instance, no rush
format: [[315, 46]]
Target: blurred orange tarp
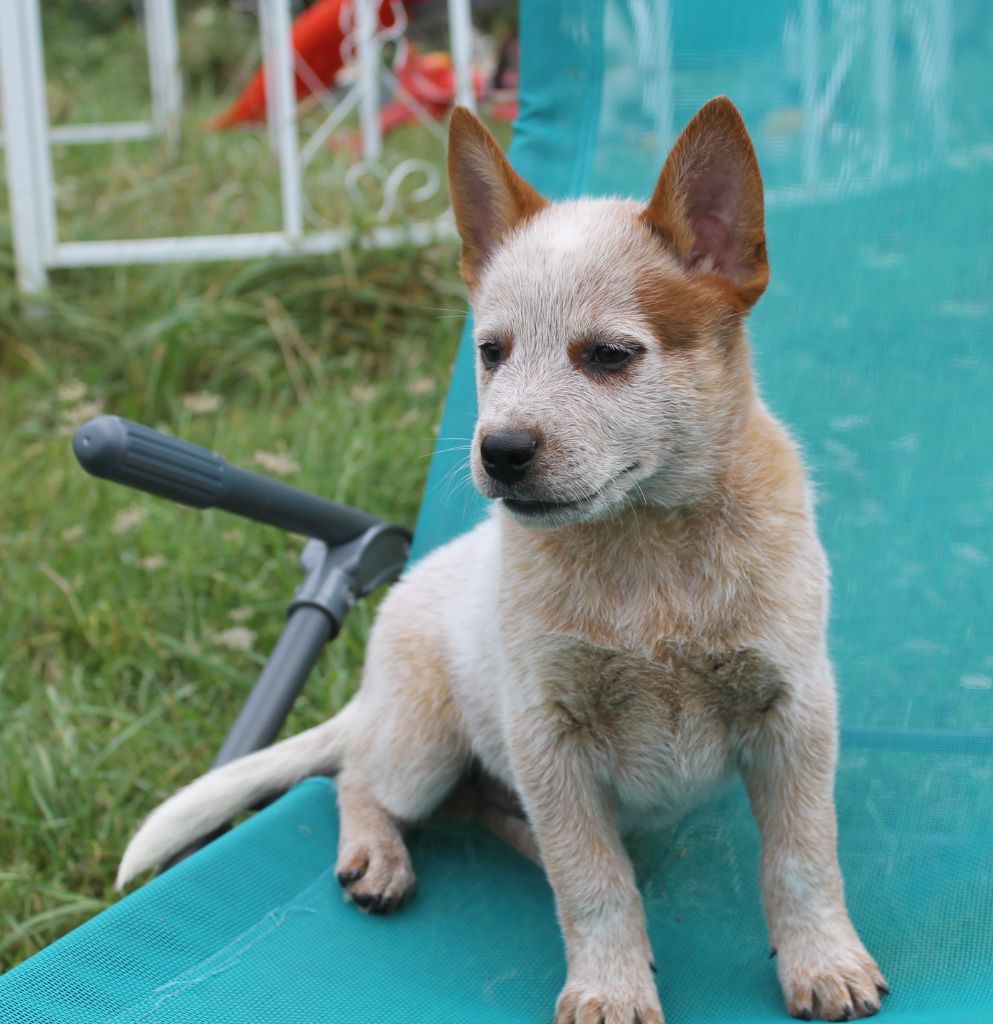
[[317, 38], [430, 79]]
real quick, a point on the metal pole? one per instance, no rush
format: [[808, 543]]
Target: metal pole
[[265, 31], [29, 159], [162, 40], [366, 23], [336, 578], [285, 673], [460, 27], [282, 110]]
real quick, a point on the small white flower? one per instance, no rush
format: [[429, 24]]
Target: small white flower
[[78, 415], [202, 401], [128, 519], [73, 391], [152, 563], [363, 393], [237, 638], [277, 462], [71, 533], [240, 614], [422, 386]]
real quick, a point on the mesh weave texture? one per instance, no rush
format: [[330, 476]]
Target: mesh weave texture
[[254, 927]]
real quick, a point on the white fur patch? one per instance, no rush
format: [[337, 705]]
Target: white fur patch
[[566, 237]]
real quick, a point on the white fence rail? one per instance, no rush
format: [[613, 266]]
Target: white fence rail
[[29, 137]]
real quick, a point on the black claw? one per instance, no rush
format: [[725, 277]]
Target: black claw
[[651, 964], [846, 1012], [869, 1006], [376, 902], [772, 952], [805, 1014], [883, 990], [366, 900], [345, 878]]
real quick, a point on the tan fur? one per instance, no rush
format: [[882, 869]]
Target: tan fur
[[496, 198], [643, 614], [717, 141]]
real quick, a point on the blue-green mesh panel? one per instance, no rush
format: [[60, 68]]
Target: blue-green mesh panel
[[254, 927], [874, 126]]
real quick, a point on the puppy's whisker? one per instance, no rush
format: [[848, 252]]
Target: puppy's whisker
[[456, 479], [447, 451], [443, 309]]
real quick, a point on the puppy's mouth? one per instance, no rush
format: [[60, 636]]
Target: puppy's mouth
[[536, 509], [546, 508]]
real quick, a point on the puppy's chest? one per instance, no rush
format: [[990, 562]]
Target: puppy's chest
[[666, 726]]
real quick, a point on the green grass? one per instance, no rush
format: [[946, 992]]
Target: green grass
[[119, 673]]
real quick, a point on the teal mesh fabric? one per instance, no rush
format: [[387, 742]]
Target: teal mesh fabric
[[874, 127], [254, 928]]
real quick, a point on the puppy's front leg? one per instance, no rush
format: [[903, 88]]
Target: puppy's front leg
[[789, 772], [603, 921]]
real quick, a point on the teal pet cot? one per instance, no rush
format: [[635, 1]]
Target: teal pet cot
[[874, 128]]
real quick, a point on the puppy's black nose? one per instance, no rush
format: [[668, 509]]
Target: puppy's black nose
[[507, 454]]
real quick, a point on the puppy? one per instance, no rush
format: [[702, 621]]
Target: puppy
[[642, 614]]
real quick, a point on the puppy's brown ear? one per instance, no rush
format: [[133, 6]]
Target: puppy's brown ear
[[489, 197], [708, 205]]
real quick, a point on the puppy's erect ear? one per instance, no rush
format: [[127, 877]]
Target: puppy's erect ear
[[489, 197], [708, 205]]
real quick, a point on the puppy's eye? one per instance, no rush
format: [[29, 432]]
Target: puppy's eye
[[491, 354], [608, 357]]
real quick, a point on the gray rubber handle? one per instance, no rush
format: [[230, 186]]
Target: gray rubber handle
[[117, 449], [129, 453]]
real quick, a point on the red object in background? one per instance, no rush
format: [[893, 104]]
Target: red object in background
[[430, 79], [503, 111], [316, 39]]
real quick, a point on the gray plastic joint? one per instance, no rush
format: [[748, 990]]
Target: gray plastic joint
[[338, 576]]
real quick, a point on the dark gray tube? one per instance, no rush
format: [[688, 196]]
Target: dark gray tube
[[282, 679], [272, 696]]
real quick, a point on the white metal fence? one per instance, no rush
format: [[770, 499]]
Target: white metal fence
[[29, 137]]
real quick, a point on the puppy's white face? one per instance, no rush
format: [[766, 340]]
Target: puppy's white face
[[610, 352], [570, 352]]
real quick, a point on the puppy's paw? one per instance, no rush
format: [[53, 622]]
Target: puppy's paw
[[612, 1001], [376, 875], [828, 973]]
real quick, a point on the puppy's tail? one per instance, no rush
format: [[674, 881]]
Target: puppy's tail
[[214, 798]]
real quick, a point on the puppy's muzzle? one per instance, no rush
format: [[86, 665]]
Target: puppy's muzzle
[[507, 454]]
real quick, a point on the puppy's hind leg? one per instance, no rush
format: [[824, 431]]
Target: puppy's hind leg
[[405, 755]]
